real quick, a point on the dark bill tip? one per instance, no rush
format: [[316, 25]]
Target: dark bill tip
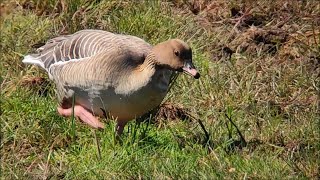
[[197, 76]]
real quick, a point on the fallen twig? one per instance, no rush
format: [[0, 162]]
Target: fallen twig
[[204, 130], [242, 139]]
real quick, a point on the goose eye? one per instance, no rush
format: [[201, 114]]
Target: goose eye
[[176, 53]]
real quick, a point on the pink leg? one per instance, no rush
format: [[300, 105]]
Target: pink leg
[[83, 114]]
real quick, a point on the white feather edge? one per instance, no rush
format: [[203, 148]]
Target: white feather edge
[[28, 59], [33, 60]]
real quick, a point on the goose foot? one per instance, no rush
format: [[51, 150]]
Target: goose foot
[[83, 114]]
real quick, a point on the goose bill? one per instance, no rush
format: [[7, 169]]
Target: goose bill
[[191, 70]]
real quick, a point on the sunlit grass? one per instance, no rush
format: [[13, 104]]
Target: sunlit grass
[[273, 100]]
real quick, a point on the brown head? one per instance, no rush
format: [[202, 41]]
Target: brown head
[[176, 55]]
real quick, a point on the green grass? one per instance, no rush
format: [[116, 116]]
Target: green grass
[[273, 98]]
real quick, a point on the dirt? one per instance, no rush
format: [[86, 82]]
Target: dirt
[[37, 84], [169, 111], [256, 39], [276, 28]]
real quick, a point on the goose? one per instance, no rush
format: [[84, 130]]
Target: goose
[[97, 72]]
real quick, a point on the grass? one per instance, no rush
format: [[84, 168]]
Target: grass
[[268, 86]]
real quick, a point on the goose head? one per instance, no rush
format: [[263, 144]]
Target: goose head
[[176, 55]]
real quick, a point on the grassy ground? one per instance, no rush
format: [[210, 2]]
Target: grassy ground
[[260, 67]]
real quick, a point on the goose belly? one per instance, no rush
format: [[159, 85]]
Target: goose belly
[[117, 106]]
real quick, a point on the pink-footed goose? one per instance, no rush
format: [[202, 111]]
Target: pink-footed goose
[[121, 74]]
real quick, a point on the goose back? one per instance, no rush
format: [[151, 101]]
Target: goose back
[[84, 44]]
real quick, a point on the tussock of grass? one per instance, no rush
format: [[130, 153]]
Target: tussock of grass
[[260, 69]]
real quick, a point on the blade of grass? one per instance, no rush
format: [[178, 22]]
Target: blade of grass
[[97, 144], [73, 134]]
